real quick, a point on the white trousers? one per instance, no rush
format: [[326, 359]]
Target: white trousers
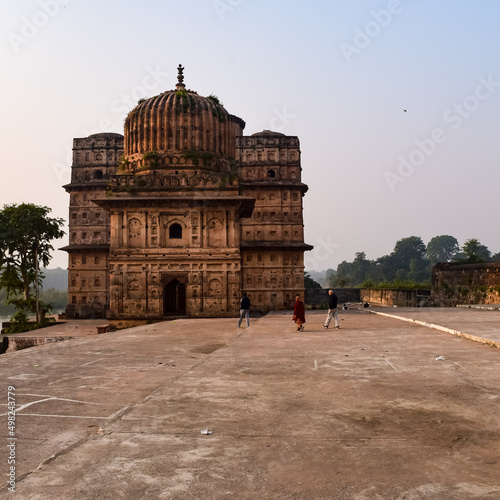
[[332, 313]]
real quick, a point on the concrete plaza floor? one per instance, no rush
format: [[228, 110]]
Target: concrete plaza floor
[[379, 409]]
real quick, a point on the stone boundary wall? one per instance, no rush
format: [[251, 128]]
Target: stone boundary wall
[[318, 297], [15, 342], [455, 284], [389, 298]]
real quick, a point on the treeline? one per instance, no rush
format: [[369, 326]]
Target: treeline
[[55, 298], [54, 292], [409, 265]]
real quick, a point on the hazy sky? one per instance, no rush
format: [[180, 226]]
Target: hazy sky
[[396, 102]]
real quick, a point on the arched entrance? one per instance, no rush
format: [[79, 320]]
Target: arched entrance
[[174, 298]]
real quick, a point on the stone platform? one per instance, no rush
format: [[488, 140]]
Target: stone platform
[[380, 409], [480, 324]]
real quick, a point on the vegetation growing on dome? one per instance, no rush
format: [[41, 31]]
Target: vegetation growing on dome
[[151, 158], [227, 179], [234, 166], [183, 101], [205, 156], [215, 99], [141, 100], [130, 114], [218, 111], [123, 164]]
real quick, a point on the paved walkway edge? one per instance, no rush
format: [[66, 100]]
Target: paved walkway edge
[[457, 333], [485, 307]]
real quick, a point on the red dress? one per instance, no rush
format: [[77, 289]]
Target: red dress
[[299, 312]]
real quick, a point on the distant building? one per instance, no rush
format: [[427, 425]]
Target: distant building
[[183, 213]]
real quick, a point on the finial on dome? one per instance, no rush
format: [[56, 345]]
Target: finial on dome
[[180, 78]]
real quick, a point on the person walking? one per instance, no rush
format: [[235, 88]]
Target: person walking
[[299, 314], [332, 310], [244, 309]]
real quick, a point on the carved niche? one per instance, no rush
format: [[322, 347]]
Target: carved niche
[[134, 233]]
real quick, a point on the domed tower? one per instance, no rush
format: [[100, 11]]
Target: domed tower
[[175, 208], [193, 212], [180, 129]]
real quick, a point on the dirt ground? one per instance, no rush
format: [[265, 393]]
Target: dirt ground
[[364, 412]]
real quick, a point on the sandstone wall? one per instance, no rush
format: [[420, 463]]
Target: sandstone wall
[[390, 298], [318, 297], [454, 284]]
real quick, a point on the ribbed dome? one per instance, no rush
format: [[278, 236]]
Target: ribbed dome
[[180, 128]]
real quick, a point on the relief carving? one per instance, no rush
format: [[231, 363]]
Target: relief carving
[[214, 288]]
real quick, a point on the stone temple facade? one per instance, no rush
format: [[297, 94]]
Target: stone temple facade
[[183, 213]]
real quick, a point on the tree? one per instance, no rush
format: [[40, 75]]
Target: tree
[[25, 235], [495, 257], [407, 249], [409, 259], [341, 278], [442, 248], [475, 252], [342, 282], [329, 274], [309, 282], [383, 270], [360, 268]]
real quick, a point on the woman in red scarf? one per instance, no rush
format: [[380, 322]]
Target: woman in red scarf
[[299, 314]]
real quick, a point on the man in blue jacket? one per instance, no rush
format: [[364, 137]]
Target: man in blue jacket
[[332, 310], [244, 310]]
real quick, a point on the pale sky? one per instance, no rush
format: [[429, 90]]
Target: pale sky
[[396, 102]]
